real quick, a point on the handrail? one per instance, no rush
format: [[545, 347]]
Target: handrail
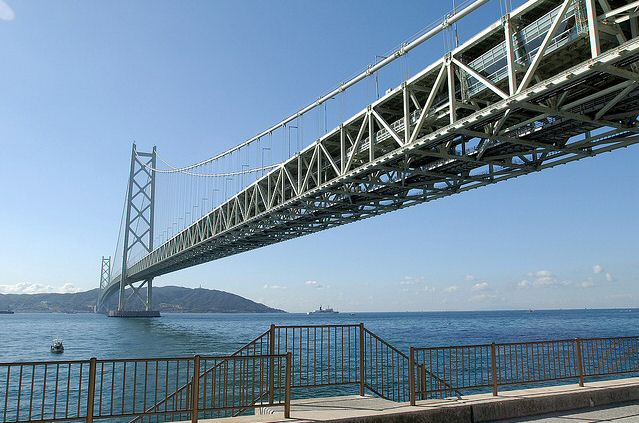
[[391, 385], [187, 385], [406, 359], [473, 367], [261, 374]]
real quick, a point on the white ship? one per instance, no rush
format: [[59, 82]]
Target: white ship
[[323, 311]]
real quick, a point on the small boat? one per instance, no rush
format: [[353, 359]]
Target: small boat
[[57, 347], [323, 311], [6, 312]]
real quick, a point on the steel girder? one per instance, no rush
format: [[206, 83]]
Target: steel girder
[[449, 129]]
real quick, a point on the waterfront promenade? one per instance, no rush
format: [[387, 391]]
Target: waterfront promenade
[[614, 400], [324, 372]]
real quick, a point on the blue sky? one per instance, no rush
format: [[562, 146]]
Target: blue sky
[[81, 80]]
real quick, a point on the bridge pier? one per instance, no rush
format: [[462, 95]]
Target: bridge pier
[[134, 313]]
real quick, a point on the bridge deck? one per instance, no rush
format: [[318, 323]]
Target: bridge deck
[[423, 141], [528, 93], [519, 404]]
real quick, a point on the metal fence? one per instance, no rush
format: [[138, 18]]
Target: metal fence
[[447, 371], [144, 389], [385, 368], [344, 358], [302, 360]]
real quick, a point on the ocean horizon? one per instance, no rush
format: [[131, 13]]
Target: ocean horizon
[[27, 336]]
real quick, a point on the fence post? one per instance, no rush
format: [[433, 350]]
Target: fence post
[[91, 388], [287, 387], [424, 384], [493, 362], [271, 374], [580, 362], [411, 375], [361, 359], [195, 389]]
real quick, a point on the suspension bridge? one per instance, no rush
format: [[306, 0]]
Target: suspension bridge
[[548, 83]]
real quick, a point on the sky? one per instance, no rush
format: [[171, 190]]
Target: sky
[[80, 81]]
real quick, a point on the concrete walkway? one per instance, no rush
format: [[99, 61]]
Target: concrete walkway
[[620, 413], [509, 406]]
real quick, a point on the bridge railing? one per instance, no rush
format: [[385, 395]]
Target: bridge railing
[[438, 372]]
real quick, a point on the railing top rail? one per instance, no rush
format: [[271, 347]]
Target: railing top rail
[[534, 342], [242, 357], [253, 341], [549, 341], [610, 338], [138, 359], [450, 347], [349, 325], [36, 363], [388, 344], [541, 341]]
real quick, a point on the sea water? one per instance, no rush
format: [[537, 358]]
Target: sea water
[[27, 336]]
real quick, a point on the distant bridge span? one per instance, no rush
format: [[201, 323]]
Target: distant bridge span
[[552, 82]]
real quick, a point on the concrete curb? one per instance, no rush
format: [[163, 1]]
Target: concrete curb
[[551, 403], [507, 407]]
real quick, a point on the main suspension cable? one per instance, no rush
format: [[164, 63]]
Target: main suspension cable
[[419, 38]]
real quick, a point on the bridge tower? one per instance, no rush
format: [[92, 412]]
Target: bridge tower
[[105, 280], [138, 234]]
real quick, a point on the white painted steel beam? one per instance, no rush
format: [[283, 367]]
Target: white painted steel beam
[[438, 142]]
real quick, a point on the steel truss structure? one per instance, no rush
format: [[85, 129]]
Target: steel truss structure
[[552, 82]]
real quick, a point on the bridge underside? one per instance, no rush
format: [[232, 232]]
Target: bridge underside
[[447, 130]]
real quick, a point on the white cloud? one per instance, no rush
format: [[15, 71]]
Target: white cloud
[[69, 288], [585, 284], [541, 279], [544, 278], [481, 286], [410, 280], [267, 286], [451, 289], [314, 284], [36, 288], [599, 270], [6, 12], [483, 297]]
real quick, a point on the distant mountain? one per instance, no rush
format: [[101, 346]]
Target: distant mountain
[[168, 299]]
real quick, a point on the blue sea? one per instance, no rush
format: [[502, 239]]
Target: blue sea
[[27, 336]]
